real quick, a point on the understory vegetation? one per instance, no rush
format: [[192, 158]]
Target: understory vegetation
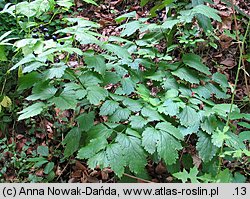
[[124, 91]]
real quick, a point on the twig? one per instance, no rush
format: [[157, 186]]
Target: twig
[[136, 178], [62, 171]]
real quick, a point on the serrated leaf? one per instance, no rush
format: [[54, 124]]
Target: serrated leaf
[[187, 75], [149, 139], [31, 111], [130, 28], [189, 117], [133, 152], [127, 85], [99, 130], [169, 24], [151, 114], [71, 141], [218, 138], [42, 91], [207, 11], [184, 175], [194, 61], [133, 105], [66, 100], [217, 91], [109, 107], [209, 125], [86, 120], [118, 50], [156, 139], [33, 66], [56, 72], [189, 130], [89, 79], [137, 122], [169, 108], [220, 79], [92, 148], [97, 62], [143, 92], [169, 128], [205, 147], [223, 109], [116, 159], [120, 114], [96, 94]]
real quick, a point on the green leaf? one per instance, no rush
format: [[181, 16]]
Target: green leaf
[[91, 1], [143, 2], [56, 72], [120, 114], [111, 157], [184, 175], [153, 139], [92, 148], [43, 150], [187, 75], [28, 80], [116, 159], [42, 91], [133, 105], [96, 94], [169, 108], [86, 120], [33, 66], [65, 3], [217, 91], [133, 152], [224, 176], [205, 147], [109, 107], [118, 50], [99, 130], [151, 114], [218, 137], [221, 79], [130, 28], [89, 79], [194, 61], [127, 85], [71, 141], [49, 167], [169, 128], [223, 109], [97, 62], [189, 117], [149, 139], [143, 92], [2, 53], [209, 125], [137, 122], [207, 11], [169, 24], [66, 100], [31, 111]]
